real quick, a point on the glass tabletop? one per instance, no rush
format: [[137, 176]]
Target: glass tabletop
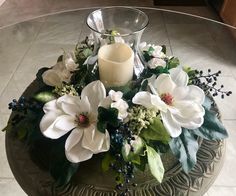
[[197, 42]]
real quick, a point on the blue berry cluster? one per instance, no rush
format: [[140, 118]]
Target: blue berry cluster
[[208, 83], [20, 105], [123, 168]]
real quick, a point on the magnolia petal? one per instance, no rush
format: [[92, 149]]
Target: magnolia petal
[[73, 147], [169, 123], [65, 122], [164, 84], [152, 84], [115, 96], [143, 98], [149, 101], [161, 105], [93, 140], [73, 105], [50, 106], [96, 92], [47, 126], [179, 76], [106, 142], [51, 78], [47, 120], [195, 94], [188, 114]]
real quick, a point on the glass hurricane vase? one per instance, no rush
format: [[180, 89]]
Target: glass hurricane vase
[[119, 25]]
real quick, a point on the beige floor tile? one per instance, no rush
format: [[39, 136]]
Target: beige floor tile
[[45, 55], [221, 191], [202, 57], [9, 187], [4, 78], [59, 33], [191, 34], [228, 172], [14, 42]]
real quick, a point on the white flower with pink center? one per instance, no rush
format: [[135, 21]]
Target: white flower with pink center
[[180, 104], [78, 115]]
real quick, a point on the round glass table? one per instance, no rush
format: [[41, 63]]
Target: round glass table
[[197, 42]]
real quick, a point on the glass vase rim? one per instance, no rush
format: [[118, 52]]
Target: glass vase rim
[[117, 7]]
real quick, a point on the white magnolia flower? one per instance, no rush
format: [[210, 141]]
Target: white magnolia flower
[[155, 62], [180, 105], [78, 115], [114, 100], [61, 72], [157, 50]]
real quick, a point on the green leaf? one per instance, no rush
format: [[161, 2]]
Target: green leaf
[[173, 62], [212, 128], [45, 96], [87, 52], [106, 161], [207, 103], [102, 126], [156, 131], [107, 116], [185, 148], [142, 165], [155, 164]]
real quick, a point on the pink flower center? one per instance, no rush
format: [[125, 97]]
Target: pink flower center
[[82, 120], [167, 98]]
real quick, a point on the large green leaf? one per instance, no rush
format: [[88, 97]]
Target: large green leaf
[[185, 148], [156, 131], [155, 164], [212, 128]]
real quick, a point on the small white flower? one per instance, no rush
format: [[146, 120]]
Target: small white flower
[[78, 115], [156, 50], [114, 100], [61, 72], [69, 61], [155, 62], [180, 105]]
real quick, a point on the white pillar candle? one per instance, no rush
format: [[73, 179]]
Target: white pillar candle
[[116, 63]]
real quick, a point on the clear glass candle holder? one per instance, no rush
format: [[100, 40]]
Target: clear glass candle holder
[[119, 25]]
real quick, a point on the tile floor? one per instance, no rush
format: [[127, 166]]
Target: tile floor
[[37, 43]]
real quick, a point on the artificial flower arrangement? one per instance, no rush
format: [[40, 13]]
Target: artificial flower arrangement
[[73, 117]]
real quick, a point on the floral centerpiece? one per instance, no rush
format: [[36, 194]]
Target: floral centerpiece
[[74, 116]]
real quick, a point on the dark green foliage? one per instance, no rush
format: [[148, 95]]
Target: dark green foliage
[[107, 117]]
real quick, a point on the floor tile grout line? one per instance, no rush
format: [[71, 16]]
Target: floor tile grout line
[[167, 33]]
